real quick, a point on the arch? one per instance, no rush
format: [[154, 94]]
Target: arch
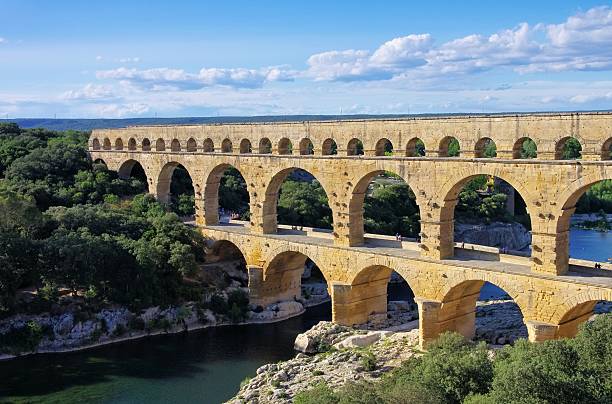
[[211, 193], [226, 250], [226, 146], [160, 145], [285, 146], [100, 161], [265, 146], [485, 148], [146, 145], [132, 168], [449, 147], [164, 181], [329, 147], [175, 145], [106, 144], [95, 144], [415, 148], [306, 147], [576, 310], [192, 146], [245, 146], [383, 147], [606, 150], [132, 144], [208, 146], [354, 147], [524, 148], [118, 144], [568, 148]]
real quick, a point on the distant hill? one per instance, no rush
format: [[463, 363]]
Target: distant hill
[[89, 124]]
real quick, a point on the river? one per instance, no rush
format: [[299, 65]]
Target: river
[[202, 366]]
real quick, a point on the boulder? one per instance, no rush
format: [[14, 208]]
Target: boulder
[[360, 341]]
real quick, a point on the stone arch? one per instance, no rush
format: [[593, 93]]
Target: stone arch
[[164, 181], [483, 146], [306, 147], [132, 144], [106, 144], [146, 145], [560, 147], [270, 200], [576, 310], [329, 147], [415, 148], [126, 169], [226, 146], [160, 145], [606, 150], [118, 144], [285, 146], [354, 147], [208, 146], [517, 149], [265, 146], [210, 215], [383, 146], [175, 145], [95, 144], [226, 249], [245, 146], [100, 161], [445, 149], [192, 146]]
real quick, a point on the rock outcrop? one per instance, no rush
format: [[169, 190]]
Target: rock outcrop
[[511, 236]]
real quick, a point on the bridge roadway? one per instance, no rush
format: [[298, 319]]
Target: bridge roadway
[[446, 290]]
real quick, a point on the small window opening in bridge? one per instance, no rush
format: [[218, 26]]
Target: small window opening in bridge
[[225, 272], [233, 196], [306, 147], [285, 146], [175, 145], [192, 146], [182, 197], [354, 147], [485, 148], [118, 144], [226, 146], [389, 207], [489, 212], [606, 150], [146, 145], [525, 148], [265, 146], [568, 148], [95, 144], [160, 145], [208, 146], [329, 147], [384, 147], [245, 146], [302, 201], [449, 147], [132, 144], [107, 144], [415, 148]]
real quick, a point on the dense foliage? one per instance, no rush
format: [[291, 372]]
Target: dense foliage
[[457, 371]]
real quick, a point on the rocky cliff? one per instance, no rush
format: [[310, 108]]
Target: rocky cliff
[[511, 236]]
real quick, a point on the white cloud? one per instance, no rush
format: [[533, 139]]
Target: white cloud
[[3, 40], [98, 58], [407, 51], [129, 60], [89, 92]]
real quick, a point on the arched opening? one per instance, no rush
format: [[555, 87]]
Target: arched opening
[[175, 188], [245, 146], [574, 317], [415, 148], [386, 205], [489, 211], [132, 144], [160, 145], [95, 144], [306, 147], [606, 150], [485, 148], [329, 147], [118, 144], [175, 145], [482, 311], [524, 148], [100, 162], [285, 146], [354, 147], [133, 169], [106, 145], [208, 146], [226, 196], [568, 148], [192, 145], [146, 145], [265, 146], [449, 147], [384, 147], [226, 146], [295, 197]]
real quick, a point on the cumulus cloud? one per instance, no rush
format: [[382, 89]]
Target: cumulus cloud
[[89, 92]]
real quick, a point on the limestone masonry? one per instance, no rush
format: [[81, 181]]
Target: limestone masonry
[[554, 293]]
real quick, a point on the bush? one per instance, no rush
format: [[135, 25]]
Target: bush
[[20, 340], [218, 304], [368, 361], [319, 394]]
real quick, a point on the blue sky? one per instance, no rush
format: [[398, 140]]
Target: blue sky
[[112, 59]]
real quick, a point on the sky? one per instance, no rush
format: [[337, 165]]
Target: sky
[[120, 59]]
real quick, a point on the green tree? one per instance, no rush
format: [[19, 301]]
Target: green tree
[[303, 203], [571, 149]]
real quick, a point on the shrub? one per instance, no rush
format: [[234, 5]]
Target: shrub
[[368, 361], [319, 394], [24, 339], [218, 304]]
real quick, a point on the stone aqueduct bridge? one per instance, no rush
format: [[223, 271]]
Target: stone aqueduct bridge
[[553, 294]]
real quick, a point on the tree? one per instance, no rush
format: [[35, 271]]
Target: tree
[[529, 149], [571, 149], [303, 203]]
